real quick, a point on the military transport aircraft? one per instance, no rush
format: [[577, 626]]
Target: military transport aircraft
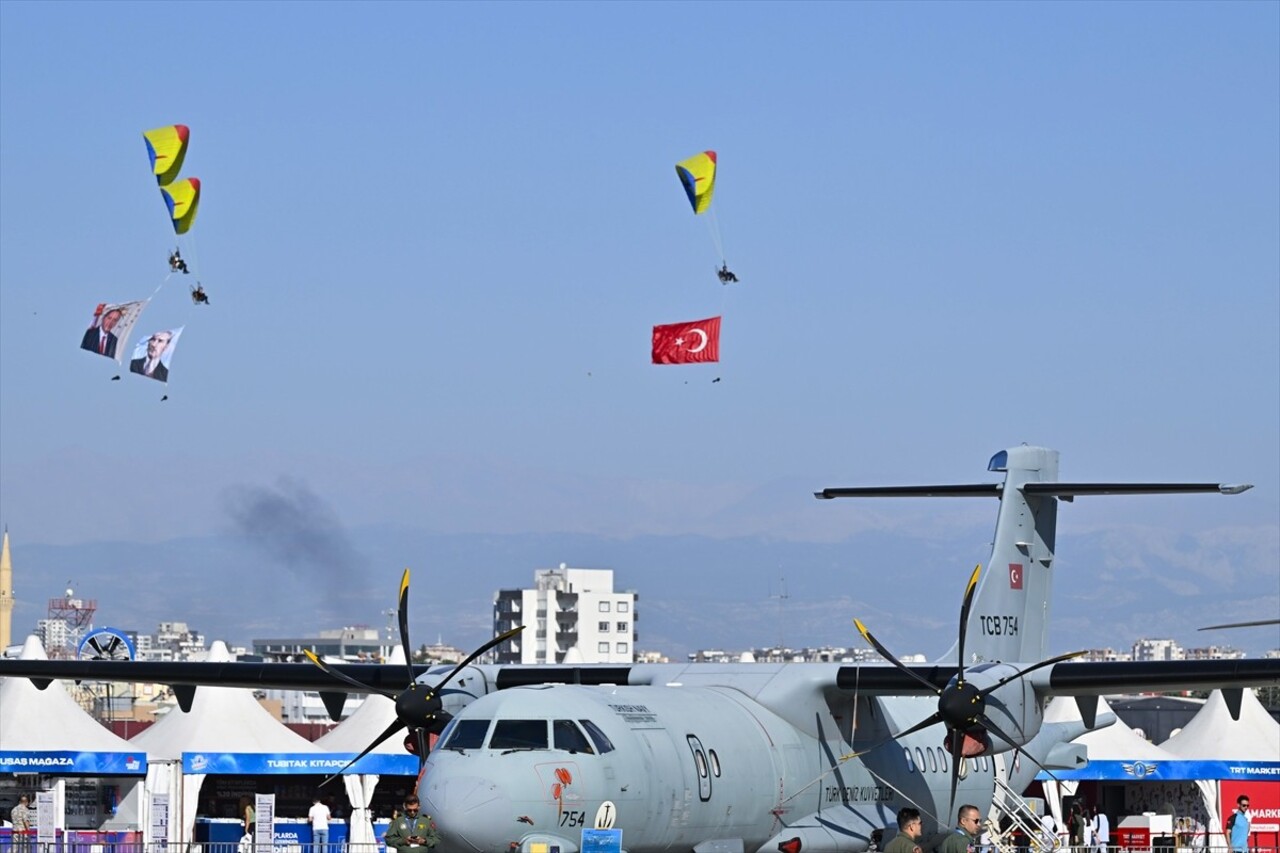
[[729, 758]]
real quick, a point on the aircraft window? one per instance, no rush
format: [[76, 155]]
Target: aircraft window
[[963, 769], [933, 760], [700, 760], [467, 734], [519, 734], [599, 738], [920, 760], [570, 737], [943, 758], [715, 761], [448, 730], [911, 765]]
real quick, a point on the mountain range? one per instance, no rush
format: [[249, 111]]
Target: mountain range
[[1113, 585]]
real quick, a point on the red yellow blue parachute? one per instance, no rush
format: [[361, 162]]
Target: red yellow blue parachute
[[183, 199], [167, 147], [698, 177]]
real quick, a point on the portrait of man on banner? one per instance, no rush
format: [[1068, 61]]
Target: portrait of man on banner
[[109, 330], [152, 355]]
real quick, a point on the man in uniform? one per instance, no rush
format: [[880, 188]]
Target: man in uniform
[[23, 818], [412, 831], [909, 831], [965, 836]]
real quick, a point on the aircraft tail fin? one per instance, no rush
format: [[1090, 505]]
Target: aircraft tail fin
[[1009, 617]]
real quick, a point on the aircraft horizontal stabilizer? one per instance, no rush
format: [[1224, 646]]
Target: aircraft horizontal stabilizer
[[1070, 490]]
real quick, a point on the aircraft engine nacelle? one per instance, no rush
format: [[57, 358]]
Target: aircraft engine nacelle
[[1012, 706]]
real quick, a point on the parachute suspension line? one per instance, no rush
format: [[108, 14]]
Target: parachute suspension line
[[714, 225]]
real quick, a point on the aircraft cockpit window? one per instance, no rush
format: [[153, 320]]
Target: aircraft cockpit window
[[519, 734], [566, 735], [466, 734], [599, 738]]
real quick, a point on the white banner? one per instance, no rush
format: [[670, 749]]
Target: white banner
[[264, 831], [46, 817], [159, 820]]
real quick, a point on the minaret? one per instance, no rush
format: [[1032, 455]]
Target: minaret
[[6, 594]]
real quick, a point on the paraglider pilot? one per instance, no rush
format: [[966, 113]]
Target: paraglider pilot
[[176, 262], [198, 296], [725, 275]]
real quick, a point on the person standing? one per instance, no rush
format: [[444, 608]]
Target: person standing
[[23, 818], [909, 830], [411, 831], [965, 836], [1238, 826], [1048, 832], [1101, 830], [249, 820], [1075, 825], [318, 817]]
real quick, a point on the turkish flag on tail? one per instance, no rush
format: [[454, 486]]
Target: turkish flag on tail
[[687, 343]]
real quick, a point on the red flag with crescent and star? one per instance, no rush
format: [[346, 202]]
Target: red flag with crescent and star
[[687, 343]]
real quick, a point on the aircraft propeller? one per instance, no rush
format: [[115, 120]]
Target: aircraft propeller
[[418, 706], [961, 704]]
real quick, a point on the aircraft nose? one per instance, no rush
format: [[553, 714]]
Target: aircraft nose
[[473, 813]]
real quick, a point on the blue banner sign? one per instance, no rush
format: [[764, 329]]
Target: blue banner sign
[[57, 762], [602, 841], [1171, 771], [320, 764]]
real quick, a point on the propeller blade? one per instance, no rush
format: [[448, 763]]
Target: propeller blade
[[422, 750], [457, 669], [957, 755], [964, 621], [1002, 682], [923, 724], [992, 727], [395, 726], [887, 655], [343, 677], [403, 614]]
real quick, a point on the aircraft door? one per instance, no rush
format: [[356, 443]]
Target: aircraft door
[[701, 766]]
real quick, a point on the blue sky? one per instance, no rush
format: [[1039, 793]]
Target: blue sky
[[435, 238]]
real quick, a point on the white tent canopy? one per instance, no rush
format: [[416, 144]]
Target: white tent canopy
[[1212, 735], [1115, 742], [221, 719], [49, 720]]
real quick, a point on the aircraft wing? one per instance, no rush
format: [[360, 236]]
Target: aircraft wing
[[257, 676], [1095, 678]]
